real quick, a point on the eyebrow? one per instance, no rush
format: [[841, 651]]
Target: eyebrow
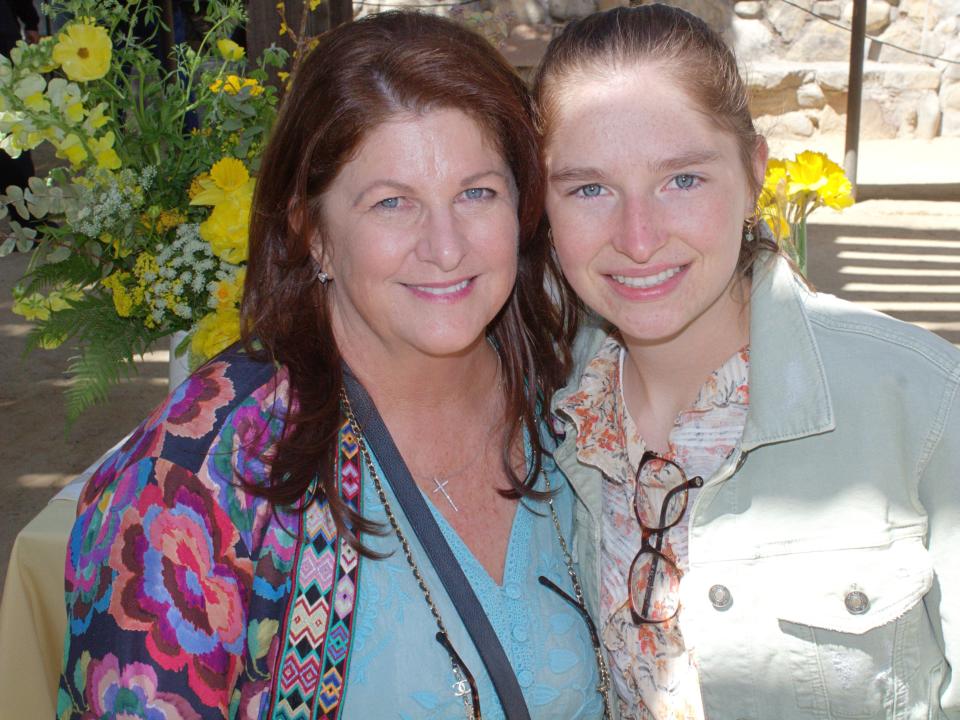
[[694, 157], [577, 174]]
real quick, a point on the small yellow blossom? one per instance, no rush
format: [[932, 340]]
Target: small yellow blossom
[[106, 156], [227, 227], [314, 4], [229, 50], [32, 307], [197, 185], [227, 292], [72, 149], [234, 84], [283, 28], [227, 176], [96, 119], [122, 302], [83, 51], [216, 332]]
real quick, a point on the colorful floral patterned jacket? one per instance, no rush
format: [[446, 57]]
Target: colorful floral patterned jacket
[[172, 560]]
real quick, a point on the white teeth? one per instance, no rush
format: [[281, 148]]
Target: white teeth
[[646, 282], [443, 290]]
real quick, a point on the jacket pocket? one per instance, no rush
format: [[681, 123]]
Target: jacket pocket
[[854, 620]]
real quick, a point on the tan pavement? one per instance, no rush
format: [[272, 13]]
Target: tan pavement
[[903, 257]]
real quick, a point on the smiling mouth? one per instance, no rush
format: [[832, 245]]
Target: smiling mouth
[[648, 281], [440, 291]]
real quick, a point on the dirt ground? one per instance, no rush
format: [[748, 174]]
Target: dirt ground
[[900, 257]]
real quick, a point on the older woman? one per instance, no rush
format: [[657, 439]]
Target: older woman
[[768, 476], [299, 529]]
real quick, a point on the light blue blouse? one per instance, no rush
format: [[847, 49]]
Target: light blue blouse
[[399, 670]]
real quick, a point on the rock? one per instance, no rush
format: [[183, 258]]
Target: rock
[[571, 9], [873, 124], [525, 45], [795, 124], [908, 126], [750, 39], [749, 9], [901, 76], [951, 71], [950, 106], [772, 87], [928, 116], [788, 21], [809, 95], [823, 42], [830, 121], [715, 13], [828, 9], [604, 5], [878, 15], [906, 32], [530, 12]]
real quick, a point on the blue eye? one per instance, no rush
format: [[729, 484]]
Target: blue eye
[[685, 182], [591, 190], [389, 203], [477, 193]]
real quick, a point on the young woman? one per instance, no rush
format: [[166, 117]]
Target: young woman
[[767, 477], [247, 553]]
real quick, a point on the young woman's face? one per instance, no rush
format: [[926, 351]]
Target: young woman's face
[[420, 237], [647, 198]]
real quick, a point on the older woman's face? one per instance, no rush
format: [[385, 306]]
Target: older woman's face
[[420, 238]]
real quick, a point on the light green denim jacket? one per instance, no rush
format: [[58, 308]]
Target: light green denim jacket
[[833, 528]]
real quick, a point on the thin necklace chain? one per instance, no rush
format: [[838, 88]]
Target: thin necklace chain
[[415, 569], [404, 544], [604, 686]]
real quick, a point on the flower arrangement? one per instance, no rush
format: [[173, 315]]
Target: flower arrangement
[[792, 189], [142, 231]]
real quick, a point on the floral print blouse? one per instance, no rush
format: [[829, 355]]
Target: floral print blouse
[[654, 671]]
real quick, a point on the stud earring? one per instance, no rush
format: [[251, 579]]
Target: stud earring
[[323, 277]]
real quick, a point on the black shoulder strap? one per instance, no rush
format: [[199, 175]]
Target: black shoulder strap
[[377, 436]]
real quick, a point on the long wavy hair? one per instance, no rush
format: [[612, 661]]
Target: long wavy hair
[[361, 75]]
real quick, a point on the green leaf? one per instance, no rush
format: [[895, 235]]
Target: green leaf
[[8, 245], [59, 254]]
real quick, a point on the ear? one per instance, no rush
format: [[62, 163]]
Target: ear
[[297, 220], [761, 152]]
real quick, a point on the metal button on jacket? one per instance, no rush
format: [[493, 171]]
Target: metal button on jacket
[[720, 597], [857, 602]]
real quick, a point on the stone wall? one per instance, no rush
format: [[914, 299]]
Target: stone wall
[[797, 65]]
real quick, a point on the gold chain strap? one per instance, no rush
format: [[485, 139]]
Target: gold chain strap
[[461, 682]]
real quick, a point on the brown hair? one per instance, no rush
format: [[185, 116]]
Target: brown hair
[[683, 47], [359, 76]]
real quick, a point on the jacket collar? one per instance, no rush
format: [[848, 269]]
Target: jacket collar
[[789, 393]]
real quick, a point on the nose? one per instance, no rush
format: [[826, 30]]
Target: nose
[[641, 230], [442, 240]]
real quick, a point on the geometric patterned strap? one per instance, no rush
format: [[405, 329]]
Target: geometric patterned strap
[[318, 623]]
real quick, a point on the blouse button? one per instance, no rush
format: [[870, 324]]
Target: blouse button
[[720, 597], [520, 633], [525, 678], [857, 602], [512, 591]]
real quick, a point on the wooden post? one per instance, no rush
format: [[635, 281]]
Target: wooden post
[[855, 91]]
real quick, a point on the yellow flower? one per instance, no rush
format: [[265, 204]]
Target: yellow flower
[[807, 172], [227, 176], [32, 307], [96, 119], [216, 332], [227, 292], [103, 151], [283, 28], [57, 301], [30, 91], [72, 149], [314, 4], [197, 185], [226, 228], [83, 51], [234, 84], [837, 193], [229, 50], [122, 302]]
